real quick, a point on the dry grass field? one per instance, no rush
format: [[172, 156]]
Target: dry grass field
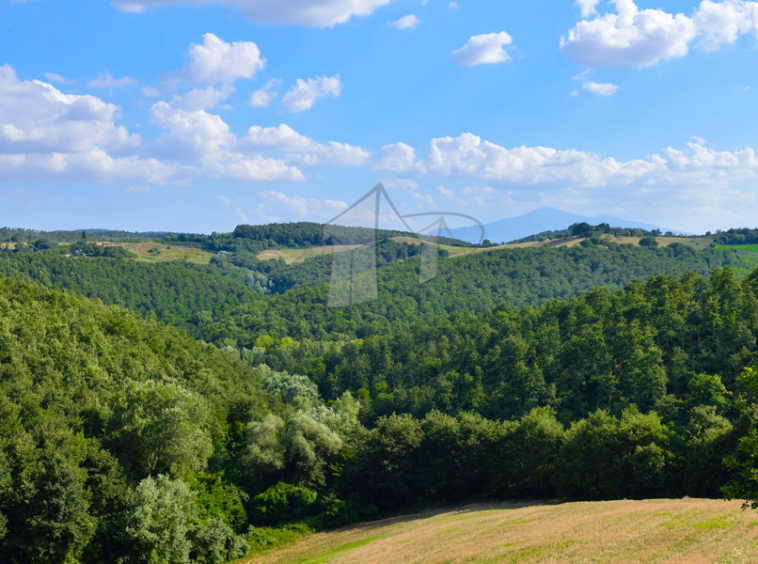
[[166, 253], [686, 531]]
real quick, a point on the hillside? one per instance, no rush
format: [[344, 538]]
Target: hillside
[[691, 531], [121, 437], [95, 403]]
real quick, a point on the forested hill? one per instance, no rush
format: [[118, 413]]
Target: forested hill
[[122, 440], [92, 400], [177, 293], [224, 302], [476, 282]]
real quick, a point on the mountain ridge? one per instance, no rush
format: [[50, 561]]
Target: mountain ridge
[[539, 220]]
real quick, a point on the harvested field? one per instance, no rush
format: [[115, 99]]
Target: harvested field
[[686, 531]]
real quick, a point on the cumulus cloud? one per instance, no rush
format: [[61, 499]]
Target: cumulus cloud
[[217, 62], [304, 93], [263, 97], [105, 80], [406, 22], [35, 117], [483, 49], [601, 89], [46, 134], [639, 38], [398, 157], [316, 13], [301, 149], [198, 136], [469, 156]]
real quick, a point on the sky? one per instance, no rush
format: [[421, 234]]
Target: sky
[[199, 115]]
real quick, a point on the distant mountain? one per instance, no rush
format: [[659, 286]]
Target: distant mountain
[[539, 220]]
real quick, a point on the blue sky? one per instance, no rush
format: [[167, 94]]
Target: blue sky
[[195, 115]]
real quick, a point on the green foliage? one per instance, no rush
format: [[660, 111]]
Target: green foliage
[[294, 389], [179, 294], [160, 428], [283, 503], [215, 543], [160, 516]]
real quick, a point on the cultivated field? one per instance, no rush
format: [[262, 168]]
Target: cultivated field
[[165, 253], [752, 249], [687, 531]]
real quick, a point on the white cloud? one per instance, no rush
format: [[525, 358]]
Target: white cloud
[[601, 89], [398, 157], [587, 7], [302, 150], [406, 22], [54, 77], [35, 117], [482, 49], [453, 5], [205, 138], [105, 80], [263, 97], [219, 62], [138, 189], [224, 200], [724, 22], [642, 38], [304, 93], [469, 156], [46, 134], [94, 165], [191, 135], [318, 13], [203, 98]]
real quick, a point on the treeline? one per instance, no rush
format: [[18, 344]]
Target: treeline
[[742, 236], [19, 235], [256, 238], [584, 229]]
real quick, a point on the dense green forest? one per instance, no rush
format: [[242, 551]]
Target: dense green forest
[[600, 371], [176, 293], [124, 440], [475, 282]]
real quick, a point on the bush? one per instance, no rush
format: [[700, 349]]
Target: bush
[[648, 242], [215, 542], [283, 503]]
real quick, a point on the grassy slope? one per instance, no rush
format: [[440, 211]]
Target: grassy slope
[[167, 253], [753, 249], [689, 531]]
